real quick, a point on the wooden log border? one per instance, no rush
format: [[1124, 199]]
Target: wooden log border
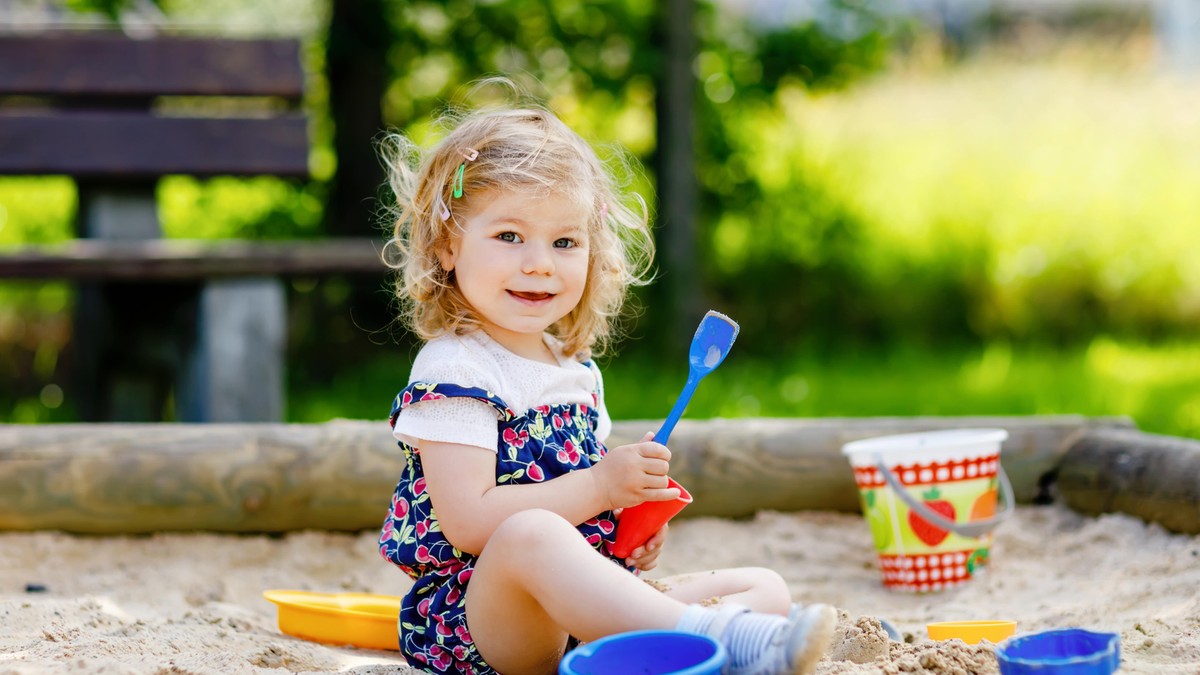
[[142, 478], [1153, 477]]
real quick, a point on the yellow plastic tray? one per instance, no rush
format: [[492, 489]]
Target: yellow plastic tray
[[971, 632], [360, 619]]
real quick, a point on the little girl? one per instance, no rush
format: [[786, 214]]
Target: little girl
[[514, 252]]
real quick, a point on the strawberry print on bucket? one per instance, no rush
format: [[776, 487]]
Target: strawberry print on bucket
[[930, 500]]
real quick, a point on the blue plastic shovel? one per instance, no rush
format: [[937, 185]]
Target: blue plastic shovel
[[710, 345]]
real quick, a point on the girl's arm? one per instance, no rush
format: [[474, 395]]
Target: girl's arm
[[461, 480]]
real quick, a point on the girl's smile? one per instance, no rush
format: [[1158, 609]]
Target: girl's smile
[[521, 262], [532, 298]]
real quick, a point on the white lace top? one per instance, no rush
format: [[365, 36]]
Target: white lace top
[[476, 360]]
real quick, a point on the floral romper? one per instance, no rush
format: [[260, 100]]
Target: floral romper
[[538, 445]]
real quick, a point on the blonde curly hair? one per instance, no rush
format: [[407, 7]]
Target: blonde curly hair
[[525, 149]]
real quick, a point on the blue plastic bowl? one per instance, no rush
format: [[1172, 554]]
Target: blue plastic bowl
[[646, 652], [1065, 651]]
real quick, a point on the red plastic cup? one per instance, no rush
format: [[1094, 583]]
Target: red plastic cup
[[638, 523]]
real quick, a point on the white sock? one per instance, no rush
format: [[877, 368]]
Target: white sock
[[746, 637], [696, 619]]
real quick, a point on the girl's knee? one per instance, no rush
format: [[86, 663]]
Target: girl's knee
[[764, 577], [770, 586], [531, 529]]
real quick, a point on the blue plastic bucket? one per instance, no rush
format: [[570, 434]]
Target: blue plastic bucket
[[646, 652], [1065, 651]]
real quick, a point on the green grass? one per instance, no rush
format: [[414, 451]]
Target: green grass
[[1156, 385]]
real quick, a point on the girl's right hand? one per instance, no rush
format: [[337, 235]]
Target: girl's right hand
[[635, 473]]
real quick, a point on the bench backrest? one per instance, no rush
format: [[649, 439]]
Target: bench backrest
[[108, 107]]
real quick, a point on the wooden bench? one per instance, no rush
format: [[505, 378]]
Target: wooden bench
[[202, 324]]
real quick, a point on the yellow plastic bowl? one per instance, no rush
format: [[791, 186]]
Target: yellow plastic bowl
[[360, 619], [971, 632]]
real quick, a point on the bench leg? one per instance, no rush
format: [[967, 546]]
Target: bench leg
[[236, 373], [129, 339], [124, 212], [128, 343]]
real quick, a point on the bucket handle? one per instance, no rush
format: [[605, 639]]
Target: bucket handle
[[974, 528]]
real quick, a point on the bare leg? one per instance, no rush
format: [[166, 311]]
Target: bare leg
[[538, 581], [758, 588]]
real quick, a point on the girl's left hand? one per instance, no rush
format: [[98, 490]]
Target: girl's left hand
[[645, 557]]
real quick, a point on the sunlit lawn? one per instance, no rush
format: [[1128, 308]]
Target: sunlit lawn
[[1157, 386], [1058, 181]]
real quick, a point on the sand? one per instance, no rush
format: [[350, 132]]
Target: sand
[[192, 603]]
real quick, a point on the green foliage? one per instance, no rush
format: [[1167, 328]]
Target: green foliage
[[110, 9], [571, 48], [241, 208], [847, 42], [33, 326], [36, 210], [1047, 204], [41, 210], [868, 229]]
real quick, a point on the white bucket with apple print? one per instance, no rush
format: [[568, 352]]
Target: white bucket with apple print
[[931, 500]]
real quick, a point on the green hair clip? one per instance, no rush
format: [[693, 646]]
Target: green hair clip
[[458, 180], [469, 155]]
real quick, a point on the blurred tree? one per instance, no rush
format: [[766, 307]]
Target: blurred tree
[[676, 170], [357, 43]]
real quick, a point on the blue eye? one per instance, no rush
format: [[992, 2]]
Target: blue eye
[[510, 237], [564, 243]]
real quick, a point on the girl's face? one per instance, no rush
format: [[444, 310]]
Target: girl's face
[[522, 264]]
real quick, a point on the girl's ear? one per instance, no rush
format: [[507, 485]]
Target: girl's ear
[[448, 254]]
